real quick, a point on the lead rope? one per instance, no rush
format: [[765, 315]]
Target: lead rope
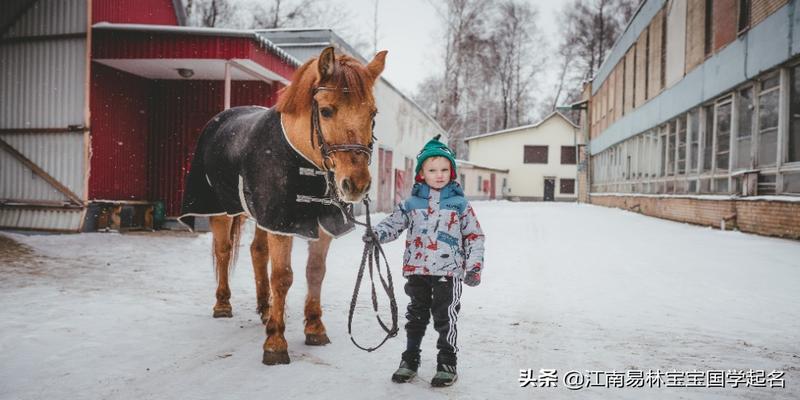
[[373, 251]]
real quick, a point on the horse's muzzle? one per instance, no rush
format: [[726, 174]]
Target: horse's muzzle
[[352, 192]]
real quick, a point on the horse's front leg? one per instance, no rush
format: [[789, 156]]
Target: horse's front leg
[[280, 253], [223, 251], [315, 273]]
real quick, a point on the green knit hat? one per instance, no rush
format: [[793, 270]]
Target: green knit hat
[[435, 148]]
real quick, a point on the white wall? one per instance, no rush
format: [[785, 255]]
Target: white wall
[[676, 41]]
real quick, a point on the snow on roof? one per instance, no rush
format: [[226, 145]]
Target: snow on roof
[[519, 128]]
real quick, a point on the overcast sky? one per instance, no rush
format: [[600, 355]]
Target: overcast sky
[[411, 31]]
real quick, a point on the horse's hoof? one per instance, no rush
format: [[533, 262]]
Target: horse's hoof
[[223, 312], [275, 357], [313, 339]]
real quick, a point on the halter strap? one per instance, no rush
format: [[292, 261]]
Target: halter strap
[[326, 149]]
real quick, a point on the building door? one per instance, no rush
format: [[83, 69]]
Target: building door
[[492, 187], [549, 189], [384, 180]]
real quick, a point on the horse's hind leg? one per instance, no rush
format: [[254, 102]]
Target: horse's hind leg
[[315, 273], [259, 251], [280, 254], [221, 230]]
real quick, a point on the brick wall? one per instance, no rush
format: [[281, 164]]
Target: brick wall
[[770, 218], [761, 9], [656, 31], [725, 22], [640, 94], [630, 57], [695, 34]]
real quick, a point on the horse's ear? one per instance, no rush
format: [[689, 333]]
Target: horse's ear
[[375, 66], [326, 63]]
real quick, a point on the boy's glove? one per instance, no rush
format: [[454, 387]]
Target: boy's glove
[[473, 278]]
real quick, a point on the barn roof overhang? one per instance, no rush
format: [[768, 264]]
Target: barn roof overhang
[[187, 53]]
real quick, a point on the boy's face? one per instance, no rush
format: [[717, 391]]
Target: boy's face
[[436, 172]]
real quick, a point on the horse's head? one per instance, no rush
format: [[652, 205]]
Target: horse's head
[[337, 91]]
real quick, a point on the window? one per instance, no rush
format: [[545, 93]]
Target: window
[[568, 155], [708, 137], [663, 77], [480, 182], [462, 180], [723, 136], [567, 186], [708, 43], [768, 122], [681, 143], [535, 155], [794, 117], [745, 128], [694, 140], [662, 141], [744, 15], [670, 156]]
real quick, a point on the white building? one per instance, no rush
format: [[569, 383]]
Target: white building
[[540, 158]]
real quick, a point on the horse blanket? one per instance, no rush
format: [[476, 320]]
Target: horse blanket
[[244, 163]]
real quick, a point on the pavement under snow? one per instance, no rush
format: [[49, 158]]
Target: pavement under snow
[[566, 287]]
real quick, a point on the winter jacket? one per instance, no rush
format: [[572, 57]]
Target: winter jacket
[[444, 236]]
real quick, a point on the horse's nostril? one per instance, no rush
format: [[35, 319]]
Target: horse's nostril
[[346, 185]]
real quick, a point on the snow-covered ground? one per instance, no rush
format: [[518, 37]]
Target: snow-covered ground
[[566, 287]]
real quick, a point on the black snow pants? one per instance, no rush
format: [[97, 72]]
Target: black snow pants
[[438, 296]]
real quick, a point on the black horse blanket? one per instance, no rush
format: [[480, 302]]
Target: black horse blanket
[[245, 164]]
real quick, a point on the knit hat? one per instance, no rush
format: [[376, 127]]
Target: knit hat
[[435, 148]]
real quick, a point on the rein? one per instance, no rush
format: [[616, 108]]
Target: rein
[[373, 252]]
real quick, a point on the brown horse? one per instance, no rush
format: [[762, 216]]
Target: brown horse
[[247, 164]]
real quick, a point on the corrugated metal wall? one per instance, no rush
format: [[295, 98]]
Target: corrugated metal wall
[[42, 87], [120, 130], [159, 12]]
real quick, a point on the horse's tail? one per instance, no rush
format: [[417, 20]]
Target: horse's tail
[[234, 237]]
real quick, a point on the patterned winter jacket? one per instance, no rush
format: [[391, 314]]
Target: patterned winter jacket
[[444, 236]]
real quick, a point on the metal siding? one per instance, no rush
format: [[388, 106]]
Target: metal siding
[[62, 220], [59, 154], [768, 42], [676, 41], [157, 12], [120, 115], [42, 83], [42, 86], [51, 17]]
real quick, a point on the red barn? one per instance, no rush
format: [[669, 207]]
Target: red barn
[[149, 85]]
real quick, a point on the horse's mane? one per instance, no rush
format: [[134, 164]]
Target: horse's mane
[[347, 73]]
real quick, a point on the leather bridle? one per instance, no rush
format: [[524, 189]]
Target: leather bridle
[[327, 150]]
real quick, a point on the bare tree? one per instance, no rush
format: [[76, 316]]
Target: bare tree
[[591, 29]]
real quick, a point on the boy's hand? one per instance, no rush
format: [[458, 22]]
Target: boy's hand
[[473, 278], [367, 238]]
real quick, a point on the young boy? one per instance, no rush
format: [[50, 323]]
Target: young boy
[[444, 246]]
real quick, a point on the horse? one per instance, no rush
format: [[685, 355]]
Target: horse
[[281, 167]]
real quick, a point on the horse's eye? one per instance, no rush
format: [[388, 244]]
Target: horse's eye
[[327, 112], [373, 124]]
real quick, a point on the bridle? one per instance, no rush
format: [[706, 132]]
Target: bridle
[[326, 149]]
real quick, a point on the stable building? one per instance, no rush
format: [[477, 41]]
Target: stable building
[[695, 115], [540, 159]]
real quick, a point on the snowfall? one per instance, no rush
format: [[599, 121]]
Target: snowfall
[[579, 289]]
